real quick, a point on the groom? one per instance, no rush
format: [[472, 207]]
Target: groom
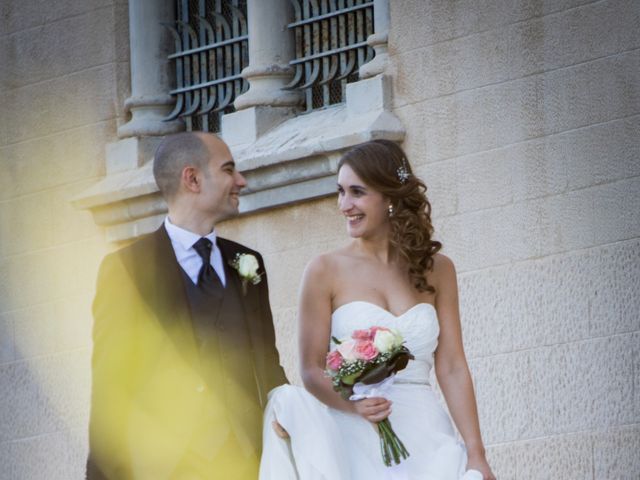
[[184, 348]]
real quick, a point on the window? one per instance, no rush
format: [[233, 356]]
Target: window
[[331, 45], [211, 49]]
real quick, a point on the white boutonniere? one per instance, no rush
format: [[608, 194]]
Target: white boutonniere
[[247, 267]]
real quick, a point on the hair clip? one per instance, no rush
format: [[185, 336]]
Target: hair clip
[[403, 172]]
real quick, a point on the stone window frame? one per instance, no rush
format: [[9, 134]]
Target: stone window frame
[[286, 157]]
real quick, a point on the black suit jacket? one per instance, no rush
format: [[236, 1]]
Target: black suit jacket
[[153, 406]]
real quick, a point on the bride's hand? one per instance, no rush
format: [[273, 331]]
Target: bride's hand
[[480, 464], [374, 409]]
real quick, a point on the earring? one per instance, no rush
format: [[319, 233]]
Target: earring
[[390, 210]]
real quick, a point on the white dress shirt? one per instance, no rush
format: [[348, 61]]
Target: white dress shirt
[[182, 242]]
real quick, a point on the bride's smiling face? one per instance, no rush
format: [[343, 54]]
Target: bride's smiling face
[[364, 208]]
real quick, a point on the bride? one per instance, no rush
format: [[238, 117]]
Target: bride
[[389, 275]]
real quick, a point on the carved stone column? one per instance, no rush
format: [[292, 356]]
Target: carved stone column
[[271, 46], [378, 41], [150, 73]]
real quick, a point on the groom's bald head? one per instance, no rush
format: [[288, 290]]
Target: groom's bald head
[[175, 152]]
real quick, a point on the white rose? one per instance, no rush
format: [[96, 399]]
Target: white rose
[[248, 266], [387, 340]]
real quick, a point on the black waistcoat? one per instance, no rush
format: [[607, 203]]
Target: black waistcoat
[[226, 356]]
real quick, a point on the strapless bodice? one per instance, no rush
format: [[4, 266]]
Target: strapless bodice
[[418, 325]]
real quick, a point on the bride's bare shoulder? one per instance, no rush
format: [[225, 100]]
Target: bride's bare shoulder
[[442, 263], [327, 263], [443, 272]]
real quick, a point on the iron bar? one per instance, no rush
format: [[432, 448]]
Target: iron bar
[[331, 45], [211, 45], [331, 14]]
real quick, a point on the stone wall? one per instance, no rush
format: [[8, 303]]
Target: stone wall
[[524, 119], [63, 81], [521, 116]]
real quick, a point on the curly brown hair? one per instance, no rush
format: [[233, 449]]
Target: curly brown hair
[[380, 164]]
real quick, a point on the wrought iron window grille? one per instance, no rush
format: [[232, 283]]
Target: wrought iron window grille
[[331, 45], [211, 49]]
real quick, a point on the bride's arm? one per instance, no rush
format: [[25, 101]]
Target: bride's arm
[[451, 366], [314, 332]]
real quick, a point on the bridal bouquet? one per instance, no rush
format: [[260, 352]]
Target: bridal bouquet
[[363, 366]]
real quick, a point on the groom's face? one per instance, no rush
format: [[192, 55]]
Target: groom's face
[[221, 182]]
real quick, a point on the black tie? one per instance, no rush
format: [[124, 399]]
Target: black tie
[[207, 277]]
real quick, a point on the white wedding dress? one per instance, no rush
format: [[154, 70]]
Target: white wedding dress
[[327, 444]]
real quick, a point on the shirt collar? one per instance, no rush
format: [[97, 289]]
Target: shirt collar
[[185, 238]]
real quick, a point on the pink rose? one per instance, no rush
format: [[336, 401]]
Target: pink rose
[[366, 350], [362, 335], [334, 360]]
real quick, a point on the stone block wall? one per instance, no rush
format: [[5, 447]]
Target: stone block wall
[[63, 81]]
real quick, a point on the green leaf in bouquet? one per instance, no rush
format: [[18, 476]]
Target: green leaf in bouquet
[[351, 379]]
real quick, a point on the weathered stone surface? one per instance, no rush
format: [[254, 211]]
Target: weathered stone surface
[[26, 223], [440, 178], [486, 311], [546, 166], [636, 373], [71, 225], [56, 390], [484, 181], [491, 237], [615, 210], [567, 222], [46, 162], [286, 325], [17, 15], [567, 457], [442, 20], [285, 271], [522, 109], [53, 327], [614, 289], [502, 459], [44, 53], [4, 128], [59, 455], [7, 339], [514, 400], [592, 383], [615, 453], [66, 102], [516, 50], [600, 153]]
